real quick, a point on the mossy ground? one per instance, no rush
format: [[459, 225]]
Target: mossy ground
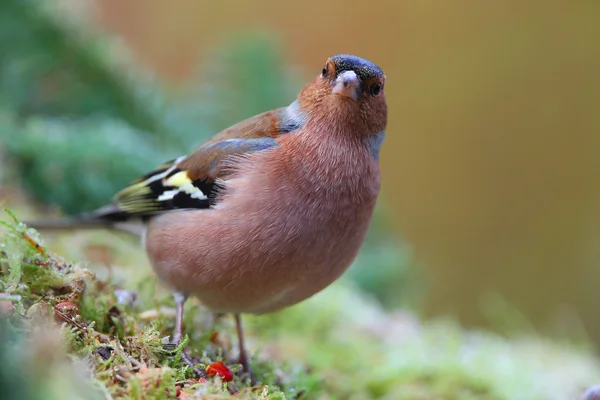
[[118, 333], [96, 330]]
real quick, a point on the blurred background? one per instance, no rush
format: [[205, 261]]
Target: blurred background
[[490, 209]]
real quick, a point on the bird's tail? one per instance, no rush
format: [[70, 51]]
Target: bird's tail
[[109, 217], [68, 224]]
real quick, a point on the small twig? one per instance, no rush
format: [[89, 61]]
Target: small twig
[[232, 389], [188, 360], [253, 389], [24, 235], [32, 242], [119, 375], [69, 320]]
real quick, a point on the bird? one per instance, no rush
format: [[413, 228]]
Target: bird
[[269, 211]]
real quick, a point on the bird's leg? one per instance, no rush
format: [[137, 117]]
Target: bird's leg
[[180, 299], [242, 347]]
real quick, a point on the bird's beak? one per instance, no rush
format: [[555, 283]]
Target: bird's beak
[[348, 84]]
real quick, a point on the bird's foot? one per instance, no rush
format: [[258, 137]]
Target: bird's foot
[[244, 361]]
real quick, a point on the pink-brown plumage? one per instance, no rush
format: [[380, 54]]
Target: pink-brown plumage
[[271, 210], [290, 222]]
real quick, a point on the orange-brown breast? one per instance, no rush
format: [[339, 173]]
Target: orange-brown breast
[[290, 223]]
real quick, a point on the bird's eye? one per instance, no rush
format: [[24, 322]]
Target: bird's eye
[[376, 89], [324, 72]]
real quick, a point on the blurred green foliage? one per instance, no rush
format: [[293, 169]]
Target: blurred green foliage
[[76, 163], [13, 379], [80, 122], [50, 66]]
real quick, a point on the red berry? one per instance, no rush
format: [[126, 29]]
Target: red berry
[[218, 368]]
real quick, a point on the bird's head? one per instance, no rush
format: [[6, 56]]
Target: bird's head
[[350, 89]]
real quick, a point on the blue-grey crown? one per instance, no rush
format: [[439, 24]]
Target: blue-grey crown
[[365, 69]]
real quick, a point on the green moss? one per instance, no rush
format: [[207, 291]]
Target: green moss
[[340, 344], [122, 342]]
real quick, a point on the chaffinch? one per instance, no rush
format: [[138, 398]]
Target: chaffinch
[[271, 210]]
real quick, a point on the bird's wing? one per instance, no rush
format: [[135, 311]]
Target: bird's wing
[[191, 182]]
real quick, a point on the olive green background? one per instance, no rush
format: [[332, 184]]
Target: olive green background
[[491, 166]]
